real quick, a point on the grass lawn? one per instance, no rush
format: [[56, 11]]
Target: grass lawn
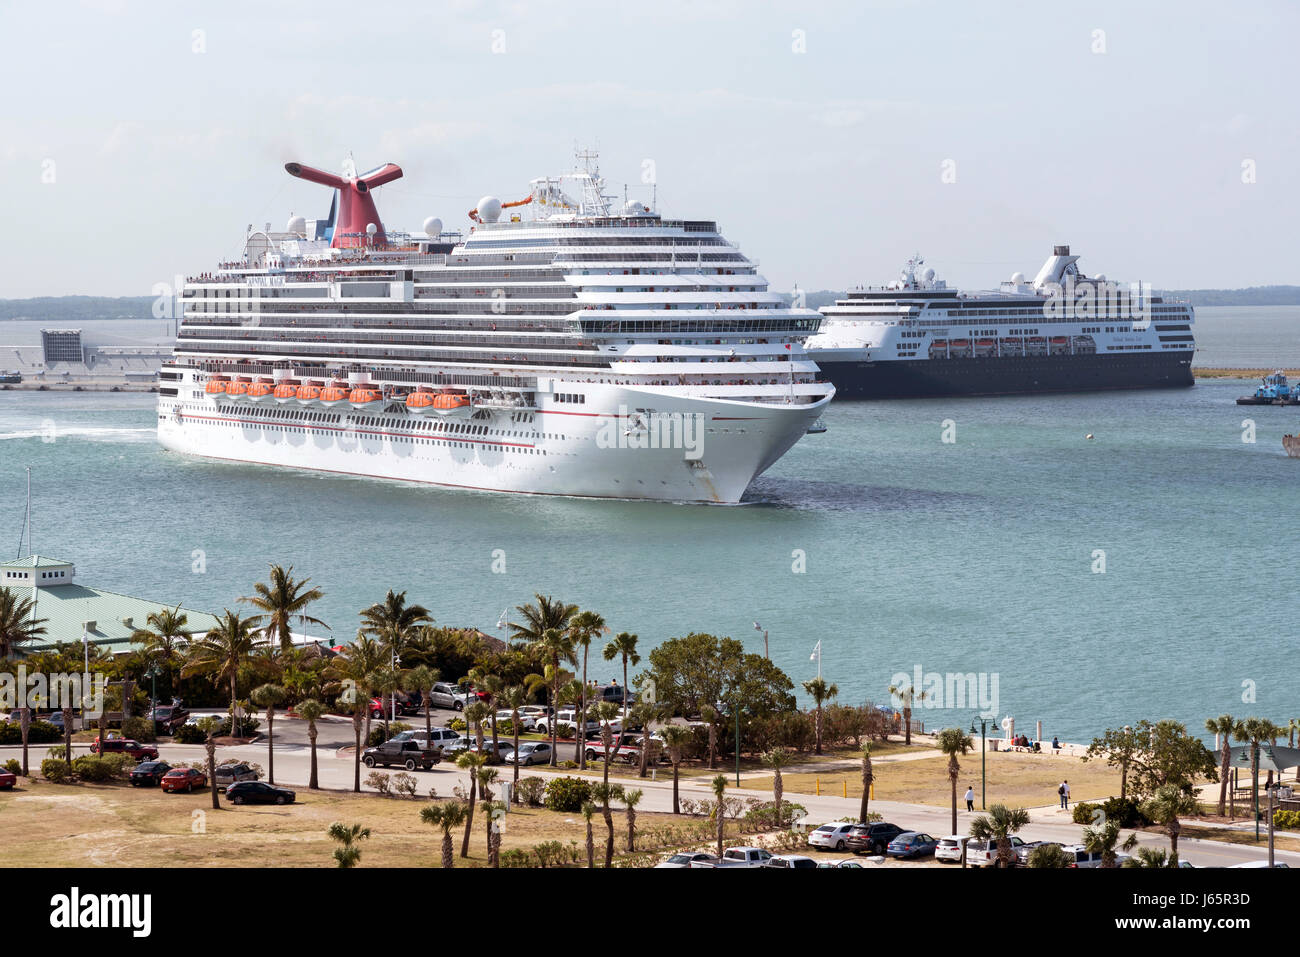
[[1283, 840], [87, 825], [1016, 779]]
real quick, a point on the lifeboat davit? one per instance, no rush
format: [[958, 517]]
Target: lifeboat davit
[[365, 397], [308, 393], [261, 390], [333, 394], [286, 391], [419, 402]]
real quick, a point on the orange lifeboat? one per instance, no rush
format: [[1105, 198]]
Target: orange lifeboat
[[365, 397], [286, 391], [216, 386], [450, 401], [260, 390], [419, 402], [333, 394], [238, 390], [308, 393]]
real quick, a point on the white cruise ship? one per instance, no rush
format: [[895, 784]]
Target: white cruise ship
[[1061, 332], [566, 345]]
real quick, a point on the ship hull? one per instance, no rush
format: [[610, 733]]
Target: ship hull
[[549, 451], [921, 378]]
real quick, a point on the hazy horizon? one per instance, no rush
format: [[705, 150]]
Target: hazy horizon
[[141, 149]]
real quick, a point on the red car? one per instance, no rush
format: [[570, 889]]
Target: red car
[[141, 752], [7, 780], [183, 779]]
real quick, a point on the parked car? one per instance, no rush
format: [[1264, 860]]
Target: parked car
[[623, 747], [834, 836], [439, 737], [527, 722], [530, 752], [149, 774], [873, 838], [1263, 863], [409, 754], [911, 844], [790, 860], [536, 710], [738, 857], [141, 752], [258, 792], [228, 774], [985, 853], [566, 721], [846, 862], [1027, 848], [168, 717], [7, 780], [446, 695], [685, 859], [949, 848], [183, 779], [1082, 857]]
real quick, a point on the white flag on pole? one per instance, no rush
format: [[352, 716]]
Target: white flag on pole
[[501, 622], [817, 653]]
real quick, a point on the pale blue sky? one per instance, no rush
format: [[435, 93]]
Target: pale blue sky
[[825, 165]]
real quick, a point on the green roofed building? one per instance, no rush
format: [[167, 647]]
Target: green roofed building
[[104, 618]]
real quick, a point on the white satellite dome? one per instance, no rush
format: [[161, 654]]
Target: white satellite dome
[[371, 229], [1017, 277], [433, 227], [297, 224], [633, 208], [928, 274], [1100, 277], [489, 209]]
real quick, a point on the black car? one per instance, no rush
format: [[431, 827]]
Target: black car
[[167, 717], [149, 774], [873, 838], [258, 792]]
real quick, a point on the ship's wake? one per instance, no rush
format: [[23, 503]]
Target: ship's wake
[[845, 497], [55, 433]]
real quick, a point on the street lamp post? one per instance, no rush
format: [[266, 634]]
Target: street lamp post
[[984, 757]]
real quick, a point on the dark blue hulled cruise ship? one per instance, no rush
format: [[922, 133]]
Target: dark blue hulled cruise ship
[[1062, 332]]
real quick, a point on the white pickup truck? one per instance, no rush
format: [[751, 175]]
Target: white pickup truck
[[739, 857]]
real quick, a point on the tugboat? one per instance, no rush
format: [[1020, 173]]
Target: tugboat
[[1292, 445], [1273, 391]]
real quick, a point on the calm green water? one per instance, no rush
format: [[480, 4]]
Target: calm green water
[[974, 556]]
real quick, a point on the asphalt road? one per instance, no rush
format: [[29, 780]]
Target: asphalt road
[[335, 769]]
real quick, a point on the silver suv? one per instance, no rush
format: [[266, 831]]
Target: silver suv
[[448, 696]]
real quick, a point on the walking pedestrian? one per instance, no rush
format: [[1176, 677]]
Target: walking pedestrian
[[1064, 792], [970, 798]]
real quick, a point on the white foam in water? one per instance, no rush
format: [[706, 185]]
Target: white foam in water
[[102, 434]]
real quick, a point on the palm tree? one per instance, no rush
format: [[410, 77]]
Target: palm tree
[[631, 798], [1225, 727], [719, 785], [393, 623], [422, 679], [539, 617], [821, 692], [908, 695], [385, 682], [998, 825], [711, 715], [470, 761], [310, 711], [349, 855], [645, 714], [1255, 731], [163, 638], [267, 696], [475, 715], [623, 646], [954, 742], [447, 815], [776, 759], [67, 734], [583, 627], [867, 777], [358, 705], [25, 726], [209, 728], [223, 653], [1164, 807], [514, 697], [486, 778], [1104, 838], [1151, 857], [351, 673], [490, 685], [676, 739], [557, 645], [281, 602], [605, 793], [18, 623], [588, 812], [605, 713]]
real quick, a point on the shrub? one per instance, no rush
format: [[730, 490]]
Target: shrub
[[55, 770], [516, 858], [1125, 810], [189, 734], [458, 725], [93, 768], [1287, 820], [550, 853], [120, 763], [13, 767], [531, 792], [567, 795], [1085, 813], [141, 729], [404, 783], [506, 728], [379, 781], [1049, 855], [763, 817], [38, 732]]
